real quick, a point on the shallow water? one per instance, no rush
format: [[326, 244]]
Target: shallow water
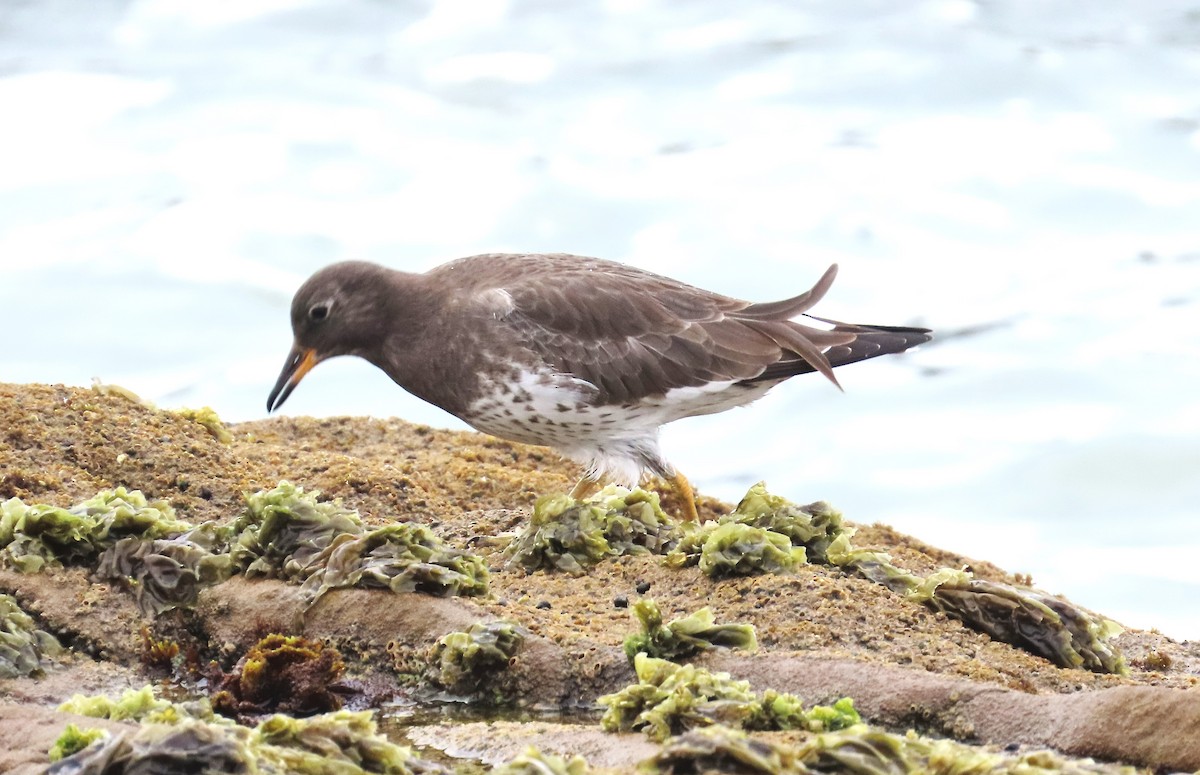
[[1021, 177]]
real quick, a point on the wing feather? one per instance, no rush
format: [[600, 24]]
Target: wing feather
[[634, 334]]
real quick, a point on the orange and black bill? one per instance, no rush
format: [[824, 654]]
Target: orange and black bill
[[300, 361]]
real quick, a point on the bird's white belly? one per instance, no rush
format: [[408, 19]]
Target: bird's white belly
[[618, 441]]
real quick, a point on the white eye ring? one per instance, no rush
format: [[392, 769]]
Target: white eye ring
[[319, 311]]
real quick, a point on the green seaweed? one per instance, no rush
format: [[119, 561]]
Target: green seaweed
[[340, 743], [863, 750], [780, 710], [1042, 624], [288, 533], [281, 531], [669, 699], [726, 548], [140, 705], [120, 513], [33, 537], [763, 534], [24, 649], [1048, 626], [570, 535], [73, 740], [167, 573], [207, 417], [405, 557], [721, 749], [686, 636], [36, 536], [534, 762], [856, 750], [814, 526], [475, 661], [871, 564]]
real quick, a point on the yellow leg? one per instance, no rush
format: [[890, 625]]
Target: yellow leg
[[585, 487], [683, 489]]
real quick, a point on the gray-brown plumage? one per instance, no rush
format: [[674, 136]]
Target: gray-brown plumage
[[588, 356]]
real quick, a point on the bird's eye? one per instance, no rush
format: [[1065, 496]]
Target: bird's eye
[[318, 312]]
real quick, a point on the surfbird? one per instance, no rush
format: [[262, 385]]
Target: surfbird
[[587, 356]]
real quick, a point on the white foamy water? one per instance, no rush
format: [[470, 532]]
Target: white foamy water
[[171, 171]]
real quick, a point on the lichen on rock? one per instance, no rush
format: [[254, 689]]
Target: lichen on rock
[[685, 636]]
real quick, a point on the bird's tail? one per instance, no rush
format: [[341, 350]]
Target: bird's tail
[[858, 342]]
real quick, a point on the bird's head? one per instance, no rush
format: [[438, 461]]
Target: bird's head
[[337, 311]]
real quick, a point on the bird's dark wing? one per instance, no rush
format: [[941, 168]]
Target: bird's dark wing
[[634, 334]]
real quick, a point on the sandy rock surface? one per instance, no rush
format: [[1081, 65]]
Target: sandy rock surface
[[822, 633]]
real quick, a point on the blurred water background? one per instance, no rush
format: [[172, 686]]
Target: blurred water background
[[1022, 176]]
